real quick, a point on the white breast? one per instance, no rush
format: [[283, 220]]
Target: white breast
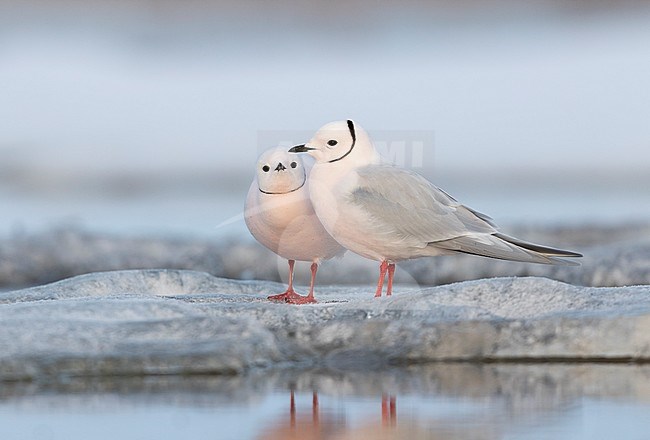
[[330, 189], [288, 225]]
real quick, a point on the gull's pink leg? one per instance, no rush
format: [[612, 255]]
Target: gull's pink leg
[[289, 293], [391, 274], [314, 270], [309, 299], [382, 274], [291, 264]]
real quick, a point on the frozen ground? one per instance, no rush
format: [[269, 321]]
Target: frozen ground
[[184, 322]]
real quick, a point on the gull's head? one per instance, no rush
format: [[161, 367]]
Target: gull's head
[[280, 172], [339, 141]]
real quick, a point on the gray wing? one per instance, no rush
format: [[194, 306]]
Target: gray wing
[[411, 206], [403, 203]]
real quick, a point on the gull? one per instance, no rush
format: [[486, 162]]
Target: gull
[[279, 214], [390, 214]]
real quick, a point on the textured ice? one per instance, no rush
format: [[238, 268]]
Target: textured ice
[[185, 322], [614, 256]]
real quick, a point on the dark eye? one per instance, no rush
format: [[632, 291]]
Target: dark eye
[[266, 168], [293, 164], [331, 142]]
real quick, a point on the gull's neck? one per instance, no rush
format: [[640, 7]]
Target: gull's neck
[[335, 171]]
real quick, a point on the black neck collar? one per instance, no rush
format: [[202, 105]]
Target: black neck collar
[[354, 141], [304, 179]]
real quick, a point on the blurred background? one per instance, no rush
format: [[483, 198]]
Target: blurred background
[[129, 130], [147, 116]]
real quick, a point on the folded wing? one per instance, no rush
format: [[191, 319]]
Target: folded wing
[[404, 206]]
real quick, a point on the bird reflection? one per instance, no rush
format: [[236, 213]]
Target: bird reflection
[[315, 417], [388, 410], [325, 424], [304, 425]]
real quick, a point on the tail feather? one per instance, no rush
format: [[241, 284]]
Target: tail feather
[[503, 247], [544, 250]]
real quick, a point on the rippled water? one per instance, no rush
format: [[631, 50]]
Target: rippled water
[[460, 401]]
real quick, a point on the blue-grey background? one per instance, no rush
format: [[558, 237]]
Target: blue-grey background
[[147, 116]]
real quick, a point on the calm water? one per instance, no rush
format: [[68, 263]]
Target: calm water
[[437, 401]]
